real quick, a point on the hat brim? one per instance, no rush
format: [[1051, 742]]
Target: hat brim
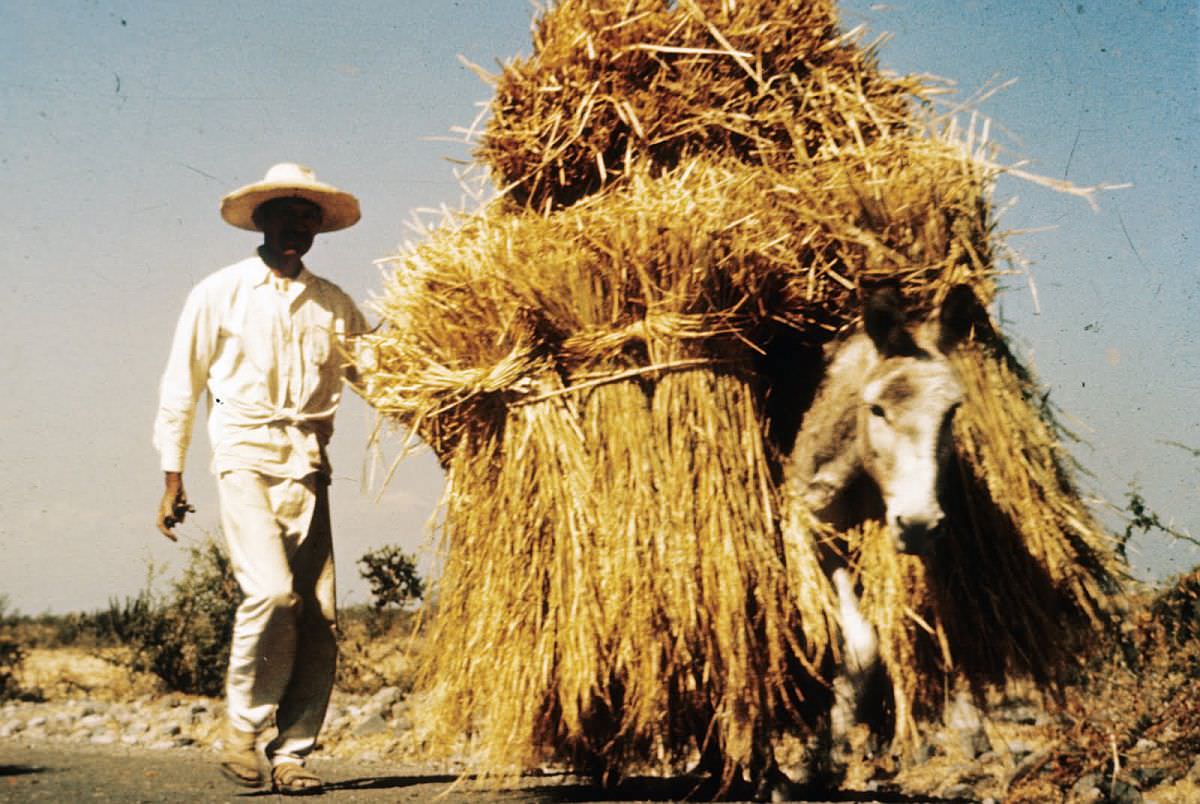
[[339, 209]]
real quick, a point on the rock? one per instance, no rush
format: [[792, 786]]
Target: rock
[[372, 724], [958, 792], [964, 719], [924, 752], [108, 738], [1193, 775], [1096, 788], [36, 721], [1087, 790], [1124, 793], [1148, 777], [387, 697], [333, 713], [1027, 765], [1019, 750], [92, 721]]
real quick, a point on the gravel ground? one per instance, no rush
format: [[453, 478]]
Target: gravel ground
[[163, 749]]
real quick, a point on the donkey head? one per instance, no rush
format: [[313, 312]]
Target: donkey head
[[908, 399]]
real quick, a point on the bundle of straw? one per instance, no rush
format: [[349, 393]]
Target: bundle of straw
[[600, 356], [614, 84]]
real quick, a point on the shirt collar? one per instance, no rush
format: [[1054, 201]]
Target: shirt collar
[[262, 275]]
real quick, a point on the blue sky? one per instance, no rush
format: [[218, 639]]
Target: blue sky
[[122, 124]]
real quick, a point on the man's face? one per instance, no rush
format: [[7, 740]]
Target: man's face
[[288, 225]]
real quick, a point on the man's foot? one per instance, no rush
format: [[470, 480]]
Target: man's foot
[[239, 758], [292, 779]]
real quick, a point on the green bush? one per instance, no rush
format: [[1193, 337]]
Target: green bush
[[392, 574], [183, 637], [11, 656], [12, 652]]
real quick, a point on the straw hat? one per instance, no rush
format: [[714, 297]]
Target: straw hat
[[289, 180]]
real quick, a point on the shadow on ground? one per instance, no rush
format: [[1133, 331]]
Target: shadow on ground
[[644, 788], [20, 770]]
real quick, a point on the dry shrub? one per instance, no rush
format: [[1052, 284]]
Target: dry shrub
[[1132, 714], [692, 190]]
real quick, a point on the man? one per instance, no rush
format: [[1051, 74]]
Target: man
[[269, 341]]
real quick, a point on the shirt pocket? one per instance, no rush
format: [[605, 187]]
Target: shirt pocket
[[318, 343]]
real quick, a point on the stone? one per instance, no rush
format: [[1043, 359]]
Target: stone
[[958, 792], [387, 697], [168, 730], [1087, 790], [1147, 777], [970, 736], [92, 721], [1124, 793], [372, 724], [924, 752]]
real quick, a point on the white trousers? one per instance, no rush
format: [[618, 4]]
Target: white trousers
[[284, 649]]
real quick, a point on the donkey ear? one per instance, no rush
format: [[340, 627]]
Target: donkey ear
[[884, 321], [961, 313]]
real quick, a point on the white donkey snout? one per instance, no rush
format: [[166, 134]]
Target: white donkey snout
[[915, 529]]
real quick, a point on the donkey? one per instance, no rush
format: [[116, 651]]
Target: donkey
[[875, 443]]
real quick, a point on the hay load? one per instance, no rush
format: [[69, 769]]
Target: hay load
[[608, 359]]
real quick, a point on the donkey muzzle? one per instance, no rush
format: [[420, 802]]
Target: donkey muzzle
[[917, 535]]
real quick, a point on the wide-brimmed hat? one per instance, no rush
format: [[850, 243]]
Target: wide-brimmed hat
[[289, 180]]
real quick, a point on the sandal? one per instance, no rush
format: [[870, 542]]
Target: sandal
[[239, 758], [292, 779]]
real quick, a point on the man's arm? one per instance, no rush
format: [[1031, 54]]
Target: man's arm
[[359, 353], [182, 384]]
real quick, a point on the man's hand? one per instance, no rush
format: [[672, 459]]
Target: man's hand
[[174, 506]]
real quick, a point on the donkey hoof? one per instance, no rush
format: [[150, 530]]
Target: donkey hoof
[[775, 786]]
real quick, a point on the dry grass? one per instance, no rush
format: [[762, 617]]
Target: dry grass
[[1132, 715], [686, 186], [64, 673]]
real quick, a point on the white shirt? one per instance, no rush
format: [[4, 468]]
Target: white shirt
[[273, 354]]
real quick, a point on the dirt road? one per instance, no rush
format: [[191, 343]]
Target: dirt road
[[58, 773], [65, 773]]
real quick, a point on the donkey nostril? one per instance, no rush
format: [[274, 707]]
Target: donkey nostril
[[918, 524]]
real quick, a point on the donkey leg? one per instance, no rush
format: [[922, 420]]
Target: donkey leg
[[768, 782], [859, 688]]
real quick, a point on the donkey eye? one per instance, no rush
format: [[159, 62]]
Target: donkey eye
[[877, 410]]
